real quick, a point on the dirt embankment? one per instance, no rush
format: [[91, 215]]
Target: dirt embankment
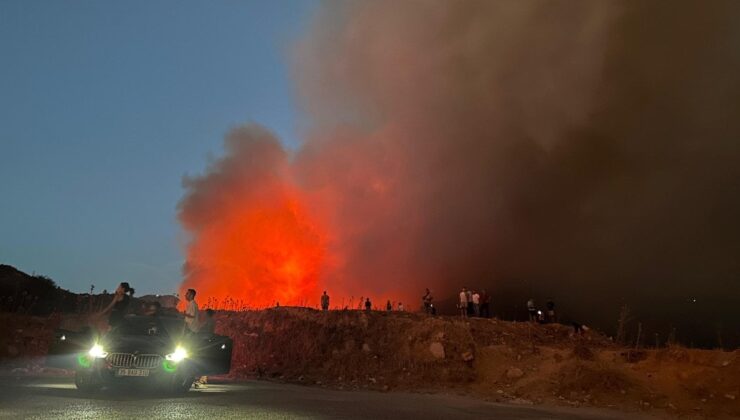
[[496, 360]]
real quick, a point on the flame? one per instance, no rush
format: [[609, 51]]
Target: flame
[[253, 242], [257, 256]]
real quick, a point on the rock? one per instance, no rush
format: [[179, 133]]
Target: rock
[[371, 379], [514, 373], [521, 401], [349, 345], [12, 351], [725, 363], [437, 350], [730, 396], [366, 347], [467, 356]]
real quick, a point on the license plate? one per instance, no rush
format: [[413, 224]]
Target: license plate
[[132, 372]]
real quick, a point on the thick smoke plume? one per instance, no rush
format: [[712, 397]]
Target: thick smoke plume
[[566, 148]]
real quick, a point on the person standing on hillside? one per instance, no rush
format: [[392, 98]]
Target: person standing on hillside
[[388, 306], [551, 315], [427, 301], [485, 304], [476, 303], [532, 310], [463, 305], [368, 305], [324, 302], [469, 299], [191, 312]]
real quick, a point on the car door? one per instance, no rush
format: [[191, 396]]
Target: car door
[[66, 347], [214, 354]]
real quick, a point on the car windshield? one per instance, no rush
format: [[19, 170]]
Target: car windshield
[[150, 325]]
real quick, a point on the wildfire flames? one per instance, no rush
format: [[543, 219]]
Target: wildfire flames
[[253, 242]]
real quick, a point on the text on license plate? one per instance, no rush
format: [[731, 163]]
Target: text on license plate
[[132, 372]]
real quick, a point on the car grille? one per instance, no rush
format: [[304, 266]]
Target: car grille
[[144, 361]]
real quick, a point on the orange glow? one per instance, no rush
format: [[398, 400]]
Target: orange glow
[[257, 254]]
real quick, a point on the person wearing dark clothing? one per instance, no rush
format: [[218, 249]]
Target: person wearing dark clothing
[[469, 299], [324, 302], [118, 307], [551, 316], [427, 301], [485, 304], [368, 305], [208, 328], [388, 306], [532, 310]]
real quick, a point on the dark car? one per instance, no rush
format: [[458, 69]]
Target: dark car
[[141, 351]]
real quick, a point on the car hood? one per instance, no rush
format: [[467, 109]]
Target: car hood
[[140, 344]]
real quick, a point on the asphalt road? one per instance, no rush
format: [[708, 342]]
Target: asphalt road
[[46, 398]]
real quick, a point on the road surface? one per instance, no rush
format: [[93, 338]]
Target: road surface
[[45, 398]]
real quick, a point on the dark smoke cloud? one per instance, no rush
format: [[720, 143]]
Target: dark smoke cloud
[[564, 147], [585, 150]]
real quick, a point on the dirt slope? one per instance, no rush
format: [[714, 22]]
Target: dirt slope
[[491, 359], [498, 360]]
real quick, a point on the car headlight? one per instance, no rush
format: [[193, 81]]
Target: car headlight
[[178, 355], [97, 352]]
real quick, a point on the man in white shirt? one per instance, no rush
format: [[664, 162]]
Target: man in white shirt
[[463, 303], [191, 311]]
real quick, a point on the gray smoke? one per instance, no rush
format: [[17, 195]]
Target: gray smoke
[[583, 148]]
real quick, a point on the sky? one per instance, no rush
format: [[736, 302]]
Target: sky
[[106, 105]]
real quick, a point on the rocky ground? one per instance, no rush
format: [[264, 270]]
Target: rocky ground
[[495, 360]]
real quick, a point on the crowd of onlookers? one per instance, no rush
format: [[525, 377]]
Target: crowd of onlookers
[[474, 303], [471, 303]]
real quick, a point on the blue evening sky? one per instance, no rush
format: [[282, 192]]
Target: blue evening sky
[[105, 105]]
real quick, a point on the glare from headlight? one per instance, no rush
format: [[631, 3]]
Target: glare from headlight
[[97, 352], [178, 355]]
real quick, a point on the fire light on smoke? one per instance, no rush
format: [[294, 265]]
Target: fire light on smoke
[[471, 143], [253, 243]]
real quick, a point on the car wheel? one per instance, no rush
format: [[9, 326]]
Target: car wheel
[[181, 384], [87, 382]]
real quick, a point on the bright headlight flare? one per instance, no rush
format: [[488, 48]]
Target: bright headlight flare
[[178, 355], [97, 352]]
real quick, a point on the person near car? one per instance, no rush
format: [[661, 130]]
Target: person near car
[[191, 312], [208, 327], [119, 306]]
